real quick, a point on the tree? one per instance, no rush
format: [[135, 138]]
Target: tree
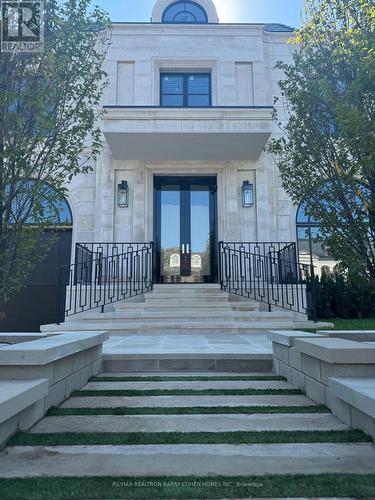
[[49, 112], [326, 155]]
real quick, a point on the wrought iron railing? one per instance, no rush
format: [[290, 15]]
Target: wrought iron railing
[[268, 277], [103, 273], [268, 248]]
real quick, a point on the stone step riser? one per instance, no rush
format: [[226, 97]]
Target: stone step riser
[[168, 375], [191, 363]]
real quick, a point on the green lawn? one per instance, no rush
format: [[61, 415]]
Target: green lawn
[[55, 488], [189, 410], [347, 324], [353, 324], [142, 438]]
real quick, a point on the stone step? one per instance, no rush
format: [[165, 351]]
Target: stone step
[[188, 286], [188, 307], [185, 401], [187, 460], [171, 292], [177, 315], [190, 423], [218, 384], [175, 328], [186, 302]]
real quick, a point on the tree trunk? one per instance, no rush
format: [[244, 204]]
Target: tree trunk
[[3, 86]]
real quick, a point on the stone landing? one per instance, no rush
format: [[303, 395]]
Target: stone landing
[[203, 353]]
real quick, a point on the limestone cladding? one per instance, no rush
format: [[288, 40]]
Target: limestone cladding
[[241, 60]]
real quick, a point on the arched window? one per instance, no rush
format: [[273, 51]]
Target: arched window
[[174, 260], [185, 12], [38, 203], [310, 251]]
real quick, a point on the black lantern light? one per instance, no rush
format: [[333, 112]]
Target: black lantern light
[[247, 194], [123, 194]]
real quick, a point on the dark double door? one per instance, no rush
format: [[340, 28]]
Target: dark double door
[[185, 229]]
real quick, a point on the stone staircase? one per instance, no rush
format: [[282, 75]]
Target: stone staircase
[[174, 426], [185, 309]]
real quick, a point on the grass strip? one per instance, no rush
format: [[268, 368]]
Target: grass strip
[[57, 488], [152, 438], [187, 392], [252, 378], [193, 410]]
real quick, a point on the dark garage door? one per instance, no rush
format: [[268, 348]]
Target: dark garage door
[[35, 305]]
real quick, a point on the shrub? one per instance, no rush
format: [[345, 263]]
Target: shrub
[[344, 296]]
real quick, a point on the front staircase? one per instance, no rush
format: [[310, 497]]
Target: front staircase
[[188, 436], [185, 309]]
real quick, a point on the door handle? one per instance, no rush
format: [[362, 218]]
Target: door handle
[[183, 249], [187, 248]]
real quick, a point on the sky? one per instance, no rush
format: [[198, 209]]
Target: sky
[[230, 11]]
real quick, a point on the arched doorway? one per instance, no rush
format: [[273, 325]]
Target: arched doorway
[[35, 304]]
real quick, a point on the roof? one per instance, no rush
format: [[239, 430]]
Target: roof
[[268, 27], [277, 28]]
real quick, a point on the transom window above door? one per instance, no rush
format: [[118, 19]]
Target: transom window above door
[[185, 89]]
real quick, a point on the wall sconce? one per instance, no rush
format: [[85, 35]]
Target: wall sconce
[[123, 194], [247, 194]]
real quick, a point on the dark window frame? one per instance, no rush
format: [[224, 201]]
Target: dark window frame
[[185, 93]]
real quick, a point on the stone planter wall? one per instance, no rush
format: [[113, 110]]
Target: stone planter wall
[[34, 376], [317, 364]]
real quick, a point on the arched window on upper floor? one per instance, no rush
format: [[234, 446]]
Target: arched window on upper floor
[[185, 12]]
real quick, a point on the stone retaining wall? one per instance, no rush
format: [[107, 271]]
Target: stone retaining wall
[[312, 362], [61, 364]]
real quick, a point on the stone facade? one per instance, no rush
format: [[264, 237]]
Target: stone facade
[[241, 60]]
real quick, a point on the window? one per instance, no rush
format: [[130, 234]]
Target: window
[[184, 12], [38, 203], [185, 90], [311, 252]]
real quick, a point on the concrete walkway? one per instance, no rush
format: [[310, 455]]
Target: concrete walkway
[[186, 344]]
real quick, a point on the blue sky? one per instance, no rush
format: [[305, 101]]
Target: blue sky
[[248, 11]]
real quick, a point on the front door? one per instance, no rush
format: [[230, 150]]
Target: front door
[[185, 229]]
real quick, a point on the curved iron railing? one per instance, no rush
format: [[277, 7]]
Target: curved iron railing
[[103, 274], [272, 279]]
